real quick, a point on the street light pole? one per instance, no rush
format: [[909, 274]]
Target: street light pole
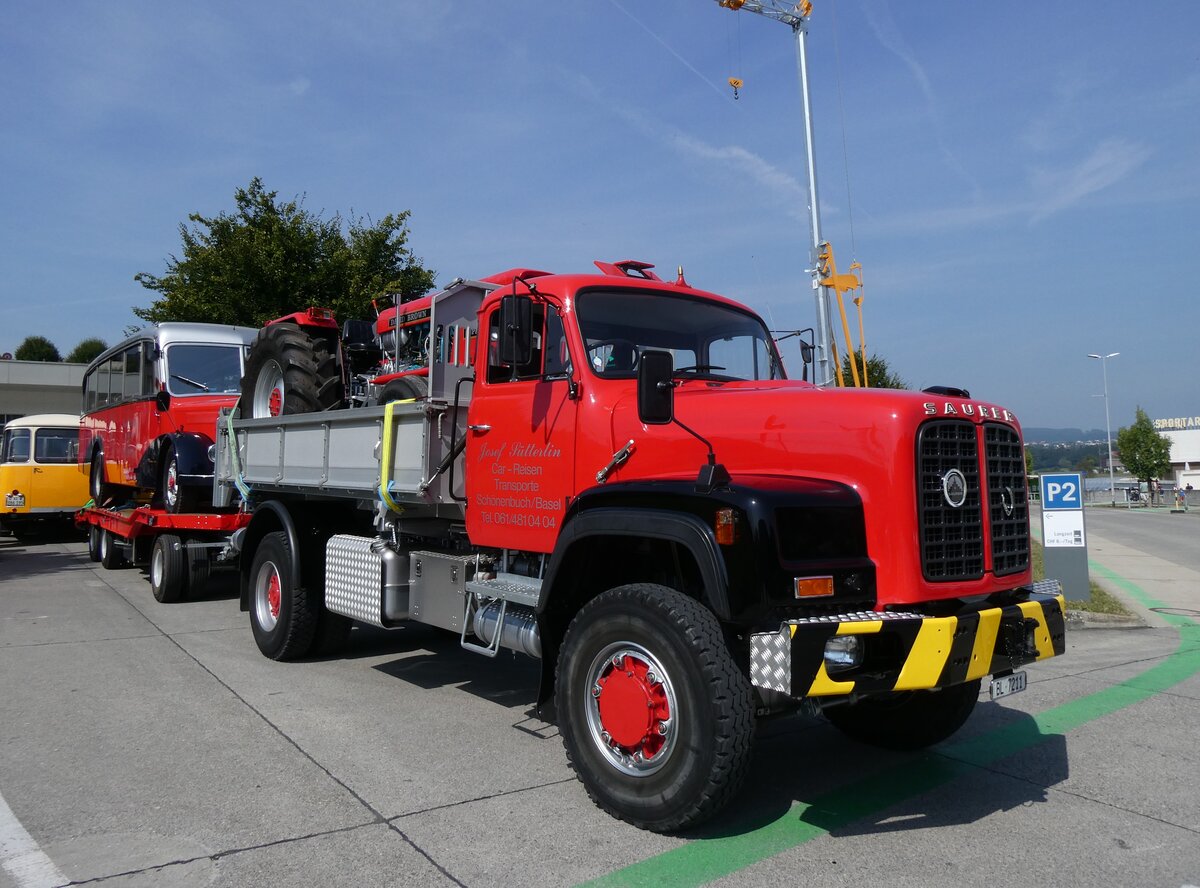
[[1103, 359]]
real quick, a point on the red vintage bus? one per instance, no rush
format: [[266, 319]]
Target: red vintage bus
[[150, 407]]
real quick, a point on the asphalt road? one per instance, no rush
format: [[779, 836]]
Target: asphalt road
[[149, 744]]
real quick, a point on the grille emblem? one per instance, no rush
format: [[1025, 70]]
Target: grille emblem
[[1008, 501], [954, 488]]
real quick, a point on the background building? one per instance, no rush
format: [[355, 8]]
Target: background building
[[28, 387], [1184, 434]]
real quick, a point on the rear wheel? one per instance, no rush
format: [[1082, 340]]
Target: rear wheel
[[906, 720], [289, 372], [99, 489], [406, 388], [283, 614], [168, 569], [656, 717], [94, 542], [111, 556]]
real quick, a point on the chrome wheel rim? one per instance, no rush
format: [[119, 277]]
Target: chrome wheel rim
[[631, 709]]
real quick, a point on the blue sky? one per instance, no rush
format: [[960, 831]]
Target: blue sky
[[1020, 183]]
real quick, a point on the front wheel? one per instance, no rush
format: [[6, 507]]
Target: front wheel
[[177, 498], [906, 720], [99, 489], [283, 617], [656, 717]]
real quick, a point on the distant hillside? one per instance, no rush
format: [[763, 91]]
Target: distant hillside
[[1035, 435]]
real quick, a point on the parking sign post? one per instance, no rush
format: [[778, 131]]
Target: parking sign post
[[1064, 537]]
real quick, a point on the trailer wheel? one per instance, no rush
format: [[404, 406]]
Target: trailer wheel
[[111, 557], [406, 388], [168, 569], [655, 715], [907, 720], [94, 542], [288, 372], [282, 617], [177, 498]]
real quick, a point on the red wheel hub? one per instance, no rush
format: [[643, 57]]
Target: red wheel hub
[[275, 402], [633, 706], [274, 594]]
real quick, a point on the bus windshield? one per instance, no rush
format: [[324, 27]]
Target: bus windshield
[[706, 339], [203, 369]]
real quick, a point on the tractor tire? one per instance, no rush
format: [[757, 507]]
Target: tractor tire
[[906, 720], [406, 388], [168, 569], [283, 614], [290, 372], [656, 717]]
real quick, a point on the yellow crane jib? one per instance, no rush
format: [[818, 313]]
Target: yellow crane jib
[[845, 283]]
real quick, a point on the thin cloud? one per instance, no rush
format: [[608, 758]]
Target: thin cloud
[[879, 18], [1110, 162]]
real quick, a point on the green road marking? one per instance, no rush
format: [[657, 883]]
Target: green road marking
[[704, 860]]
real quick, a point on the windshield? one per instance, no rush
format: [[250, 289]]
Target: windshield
[[203, 369], [705, 338]]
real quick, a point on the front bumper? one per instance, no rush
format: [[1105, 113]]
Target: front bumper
[[910, 651]]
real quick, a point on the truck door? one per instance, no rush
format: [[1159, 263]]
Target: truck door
[[520, 442]]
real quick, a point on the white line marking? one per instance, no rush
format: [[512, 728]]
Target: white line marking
[[21, 856]]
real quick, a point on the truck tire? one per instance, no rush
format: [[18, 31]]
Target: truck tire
[[289, 372], [168, 569], [655, 715], [283, 614], [906, 720], [406, 388], [94, 542], [111, 557], [177, 498]]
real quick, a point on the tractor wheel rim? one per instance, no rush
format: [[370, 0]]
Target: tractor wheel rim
[[269, 391], [631, 709]]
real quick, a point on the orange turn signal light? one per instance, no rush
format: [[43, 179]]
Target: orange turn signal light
[[725, 527], [814, 587]]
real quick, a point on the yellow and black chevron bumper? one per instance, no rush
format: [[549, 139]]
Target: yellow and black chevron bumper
[[910, 651]]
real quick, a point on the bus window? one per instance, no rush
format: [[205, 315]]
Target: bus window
[[52, 446], [132, 359], [115, 379], [16, 446], [148, 386]]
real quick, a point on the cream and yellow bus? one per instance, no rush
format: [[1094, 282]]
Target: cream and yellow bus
[[39, 472]]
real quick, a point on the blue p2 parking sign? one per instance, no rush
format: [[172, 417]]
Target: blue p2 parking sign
[[1062, 491]]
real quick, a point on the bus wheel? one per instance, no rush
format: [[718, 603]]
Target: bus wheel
[[176, 497], [168, 569], [99, 489]]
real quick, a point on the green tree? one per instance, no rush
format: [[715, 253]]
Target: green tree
[[1086, 465], [270, 258], [37, 348], [1145, 452], [87, 350], [879, 374], [1028, 461]]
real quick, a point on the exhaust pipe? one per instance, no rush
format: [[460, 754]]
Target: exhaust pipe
[[519, 632]]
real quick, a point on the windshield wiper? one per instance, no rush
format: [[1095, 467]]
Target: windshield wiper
[[182, 378], [697, 368]]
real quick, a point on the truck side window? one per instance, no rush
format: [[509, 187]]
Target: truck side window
[[498, 372]]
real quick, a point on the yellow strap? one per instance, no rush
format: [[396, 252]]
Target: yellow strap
[[385, 458]]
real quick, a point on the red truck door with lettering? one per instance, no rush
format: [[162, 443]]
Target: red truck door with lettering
[[520, 442]]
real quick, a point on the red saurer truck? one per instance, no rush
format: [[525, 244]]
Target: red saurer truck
[[612, 473]]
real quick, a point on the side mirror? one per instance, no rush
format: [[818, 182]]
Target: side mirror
[[163, 400], [516, 330], [655, 392]]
